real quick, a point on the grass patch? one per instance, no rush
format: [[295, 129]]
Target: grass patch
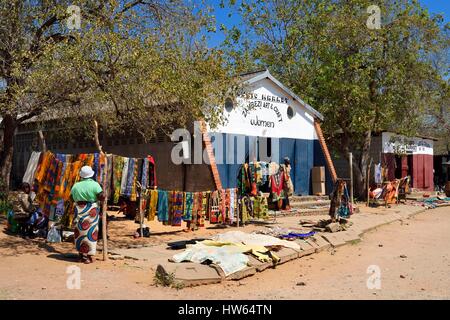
[[167, 280], [355, 242]]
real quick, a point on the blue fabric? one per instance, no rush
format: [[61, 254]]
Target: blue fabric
[[130, 177], [292, 235], [144, 178], [304, 154], [163, 206]]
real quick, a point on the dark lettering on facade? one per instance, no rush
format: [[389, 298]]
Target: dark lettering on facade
[[262, 123]]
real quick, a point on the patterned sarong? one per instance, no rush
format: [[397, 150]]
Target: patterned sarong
[[123, 181], [176, 209], [215, 209], [118, 165], [152, 205], [188, 205], [232, 205], [86, 231], [163, 206]]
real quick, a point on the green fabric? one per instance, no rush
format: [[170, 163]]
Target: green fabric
[[86, 190]]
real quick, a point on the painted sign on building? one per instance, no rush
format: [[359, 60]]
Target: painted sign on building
[[398, 144], [267, 111]]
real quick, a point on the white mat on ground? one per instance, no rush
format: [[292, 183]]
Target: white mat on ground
[[254, 239], [229, 257]]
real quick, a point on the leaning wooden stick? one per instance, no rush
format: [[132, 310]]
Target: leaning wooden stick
[[105, 191]]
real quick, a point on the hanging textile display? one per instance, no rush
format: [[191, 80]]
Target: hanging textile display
[[340, 201], [214, 207], [187, 206], [260, 209], [264, 172], [245, 207], [118, 165], [55, 174], [152, 183], [163, 206], [276, 186], [176, 208], [123, 183], [31, 168], [153, 205]]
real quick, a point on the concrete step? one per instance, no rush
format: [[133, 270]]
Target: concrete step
[[307, 198], [300, 212], [419, 195], [309, 204]]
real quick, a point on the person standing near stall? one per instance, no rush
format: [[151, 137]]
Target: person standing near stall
[[86, 194], [287, 186]]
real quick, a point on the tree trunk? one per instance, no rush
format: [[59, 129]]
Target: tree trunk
[[360, 162], [360, 168], [6, 154]]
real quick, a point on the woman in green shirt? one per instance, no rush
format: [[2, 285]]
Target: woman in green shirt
[[86, 193]]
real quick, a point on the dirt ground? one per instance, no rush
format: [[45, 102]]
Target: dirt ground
[[413, 257]]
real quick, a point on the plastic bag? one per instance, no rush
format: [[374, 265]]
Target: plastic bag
[[53, 235]]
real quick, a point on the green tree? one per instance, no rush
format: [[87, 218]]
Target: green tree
[[132, 65], [361, 79]]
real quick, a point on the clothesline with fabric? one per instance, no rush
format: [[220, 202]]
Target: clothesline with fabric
[[218, 207], [53, 175]]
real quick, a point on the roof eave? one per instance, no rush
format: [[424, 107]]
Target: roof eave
[[267, 75]]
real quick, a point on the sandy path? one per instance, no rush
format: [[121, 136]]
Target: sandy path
[[340, 274]]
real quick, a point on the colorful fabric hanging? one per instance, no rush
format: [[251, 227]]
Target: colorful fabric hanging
[[118, 165], [177, 208], [30, 172], [260, 208], [144, 177], [232, 205], [188, 205], [44, 163], [245, 207], [276, 188], [163, 206], [204, 209], [151, 172], [153, 205], [109, 174], [264, 172], [123, 183], [133, 194], [129, 178], [215, 207]]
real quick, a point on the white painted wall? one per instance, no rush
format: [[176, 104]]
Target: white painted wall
[[268, 118], [393, 143]]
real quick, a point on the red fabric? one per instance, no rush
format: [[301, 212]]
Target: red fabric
[[152, 172], [277, 188]]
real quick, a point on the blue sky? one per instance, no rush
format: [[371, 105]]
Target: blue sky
[[434, 6]]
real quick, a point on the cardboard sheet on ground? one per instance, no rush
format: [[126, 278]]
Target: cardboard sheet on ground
[[228, 250], [254, 239], [229, 257]]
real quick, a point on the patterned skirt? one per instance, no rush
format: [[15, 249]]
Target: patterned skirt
[[86, 230]]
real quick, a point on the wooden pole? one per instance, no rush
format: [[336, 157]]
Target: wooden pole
[[42, 143], [105, 191], [141, 212], [368, 181], [351, 177], [237, 218]]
